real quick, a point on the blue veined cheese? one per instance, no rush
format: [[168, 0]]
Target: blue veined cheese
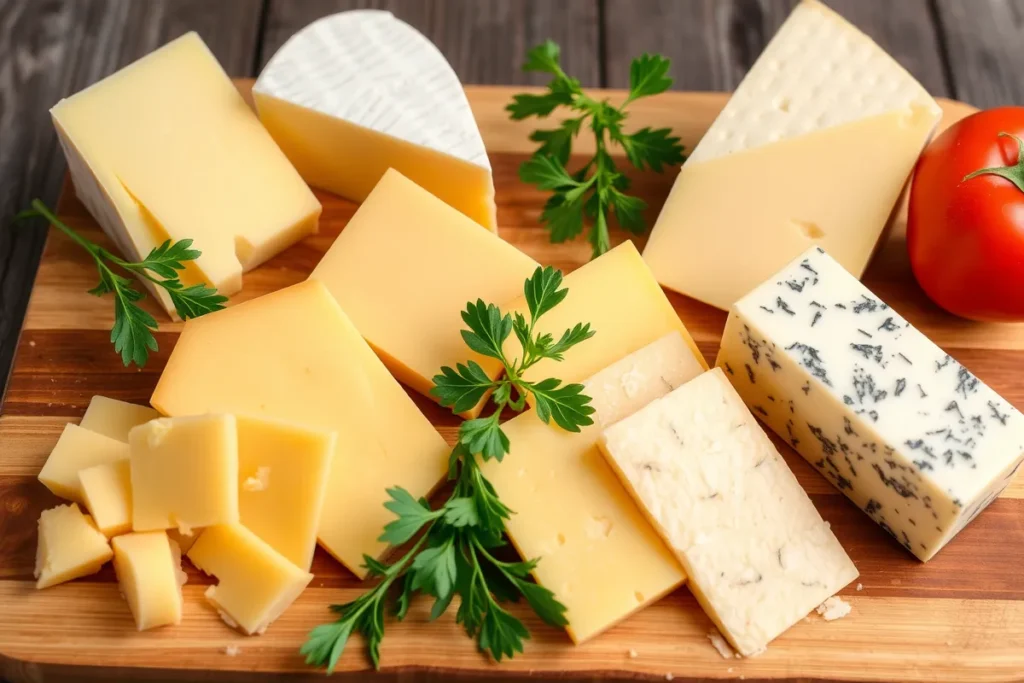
[[758, 555], [906, 432]]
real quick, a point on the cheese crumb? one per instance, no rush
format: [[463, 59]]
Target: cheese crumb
[[860, 586], [720, 644], [834, 608], [729, 670], [232, 650], [259, 482], [183, 528], [633, 654], [669, 676], [226, 618]]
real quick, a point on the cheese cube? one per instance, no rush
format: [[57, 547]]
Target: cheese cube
[[295, 356], [149, 571], [255, 583], [76, 450], [184, 473], [757, 553], [283, 471], [113, 418], [166, 148], [107, 492], [912, 437], [403, 231], [356, 93], [597, 553], [821, 93], [70, 546]]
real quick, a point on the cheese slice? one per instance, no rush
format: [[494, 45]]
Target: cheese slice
[[107, 493], [113, 418], [255, 583], [148, 568], [76, 450], [166, 148], [401, 238], [757, 553], [597, 554], [356, 93], [773, 175], [912, 437], [70, 546], [293, 355]]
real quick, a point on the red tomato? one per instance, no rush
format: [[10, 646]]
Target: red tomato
[[966, 235]]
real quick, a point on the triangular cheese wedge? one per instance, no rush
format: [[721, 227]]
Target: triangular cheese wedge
[[814, 147], [356, 93]]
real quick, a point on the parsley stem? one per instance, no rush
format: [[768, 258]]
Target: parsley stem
[[44, 211]]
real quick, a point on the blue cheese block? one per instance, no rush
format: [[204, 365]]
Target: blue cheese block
[[906, 432]]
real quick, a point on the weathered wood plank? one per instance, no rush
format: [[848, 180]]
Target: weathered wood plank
[[485, 40]]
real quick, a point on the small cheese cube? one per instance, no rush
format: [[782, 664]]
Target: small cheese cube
[[184, 473], [256, 584], [76, 450], [404, 231], [107, 491], [70, 546], [114, 418], [757, 553], [148, 568]]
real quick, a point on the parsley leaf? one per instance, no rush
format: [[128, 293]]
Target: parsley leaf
[[484, 436], [488, 329], [542, 291], [648, 75], [653, 149], [461, 389], [411, 514], [566, 404], [544, 58]]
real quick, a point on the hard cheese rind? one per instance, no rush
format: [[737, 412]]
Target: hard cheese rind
[[757, 553], [356, 93], [907, 433]]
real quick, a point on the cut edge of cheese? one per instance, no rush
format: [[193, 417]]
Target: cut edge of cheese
[[113, 418], [107, 493], [75, 450], [69, 546], [148, 568]]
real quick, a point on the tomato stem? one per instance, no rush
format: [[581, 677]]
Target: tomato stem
[[1015, 173]]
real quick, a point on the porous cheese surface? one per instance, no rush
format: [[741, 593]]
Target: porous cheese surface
[[76, 450], [149, 572], [398, 240], [70, 546], [912, 437], [283, 471], [255, 583], [107, 493], [820, 94], [757, 553], [113, 418], [598, 554], [166, 148], [293, 355], [184, 473], [356, 93]]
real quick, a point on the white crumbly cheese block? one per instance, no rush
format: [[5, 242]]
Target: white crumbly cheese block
[[757, 553], [906, 432]]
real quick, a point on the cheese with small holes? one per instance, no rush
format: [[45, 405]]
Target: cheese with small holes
[[295, 356], [758, 555], [283, 471], [255, 583], [70, 546], [184, 473], [166, 148], [113, 418], [107, 493], [404, 231], [597, 553], [912, 437], [773, 176], [356, 93], [148, 567], [76, 450]]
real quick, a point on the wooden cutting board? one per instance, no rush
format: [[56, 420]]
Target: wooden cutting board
[[960, 617]]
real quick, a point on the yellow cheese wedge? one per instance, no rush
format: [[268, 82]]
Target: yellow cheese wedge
[[256, 584], [76, 450], [149, 571], [597, 552], [184, 473], [167, 148], [411, 316], [283, 471], [70, 546], [294, 355], [113, 418], [107, 492]]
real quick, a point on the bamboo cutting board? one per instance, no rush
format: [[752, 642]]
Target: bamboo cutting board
[[960, 617]]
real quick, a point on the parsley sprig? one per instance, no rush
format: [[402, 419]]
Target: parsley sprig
[[132, 334], [597, 188], [455, 553]]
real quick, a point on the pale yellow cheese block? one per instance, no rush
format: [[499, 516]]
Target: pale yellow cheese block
[[70, 546], [255, 583], [113, 418], [107, 492], [425, 261], [149, 572], [294, 355], [76, 450], [184, 473]]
